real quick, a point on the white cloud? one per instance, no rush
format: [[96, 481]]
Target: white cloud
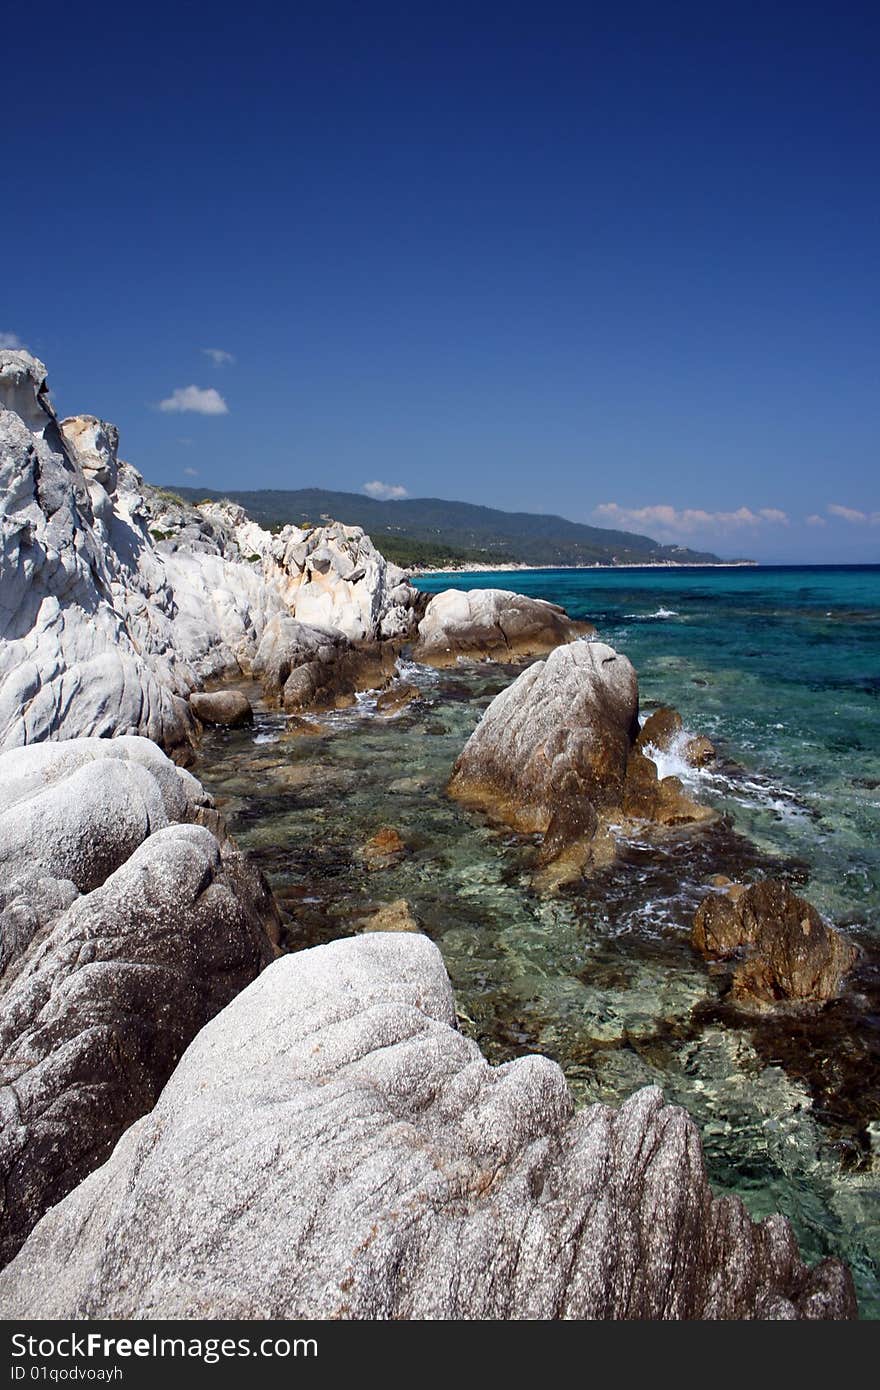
[[219, 357], [815, 520], [199, 400], [385, 492], [676, 521], [12, 340], [853, 516], [191, 472]]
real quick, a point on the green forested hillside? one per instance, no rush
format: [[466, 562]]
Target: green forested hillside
[[431, 531]]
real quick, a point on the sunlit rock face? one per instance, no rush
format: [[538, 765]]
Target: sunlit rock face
[[492, 625], [71, 662], [557, 754], [331, 1146], [119, 600], [125, 924]]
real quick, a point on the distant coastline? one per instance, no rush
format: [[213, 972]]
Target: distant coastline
[[474, 568]]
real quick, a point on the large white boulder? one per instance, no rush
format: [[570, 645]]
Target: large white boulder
[[331, 1146], [492, 625], [124, 926]]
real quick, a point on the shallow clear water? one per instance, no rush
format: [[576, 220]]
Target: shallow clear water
[[782, 669]]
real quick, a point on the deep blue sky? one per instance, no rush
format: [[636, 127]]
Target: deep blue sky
[[544, 257]]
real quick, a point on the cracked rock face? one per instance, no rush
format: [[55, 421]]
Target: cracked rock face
[[124, 927], [332, 1147], [491, 625]]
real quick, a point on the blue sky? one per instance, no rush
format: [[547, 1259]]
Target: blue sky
[[615, 262]]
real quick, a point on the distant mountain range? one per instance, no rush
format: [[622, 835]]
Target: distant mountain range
[[428, 531]]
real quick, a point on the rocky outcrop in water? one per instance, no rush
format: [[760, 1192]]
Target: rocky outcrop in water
[[125, 926], [556, 753], [120, 600], [786, 951], [228, 708], [332, 1147], [664, 732], [491, 625]]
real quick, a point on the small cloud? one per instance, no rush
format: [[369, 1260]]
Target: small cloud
[[191, 472], [815, 520], [385, 492], [12, 340], [196, 399], [676, 521], [219, 357], [853, 515]]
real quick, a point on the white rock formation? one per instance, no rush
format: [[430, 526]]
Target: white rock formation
[[492, 624], [118, 600], [71, 662], [330, 1146], [124, 925]]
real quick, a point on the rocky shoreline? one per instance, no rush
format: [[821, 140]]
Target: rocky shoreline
[[331, 1122]]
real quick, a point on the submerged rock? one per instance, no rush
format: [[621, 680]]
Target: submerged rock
[[229, 708], [384, 848], [492, 625], [332, 1147], [397, 697], [125, 927], [395, 916], [789, 953]]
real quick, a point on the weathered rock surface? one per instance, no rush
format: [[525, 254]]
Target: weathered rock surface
[[229, 708], [124, 927], [72, 658], [397, 697], [491, 625], [556, 742], [317, 668], [120, 600], [788, 952], [557, 753], [332, 1147]]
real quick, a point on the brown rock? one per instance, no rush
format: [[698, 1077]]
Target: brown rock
[[788, 951], [394, 916], [664, 801], [699, 751], [297, 727], [552, 748], [660, 729], [397, 697], [384, 848], [228, 708]]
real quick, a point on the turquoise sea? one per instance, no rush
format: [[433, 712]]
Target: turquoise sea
[[781, 668]]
